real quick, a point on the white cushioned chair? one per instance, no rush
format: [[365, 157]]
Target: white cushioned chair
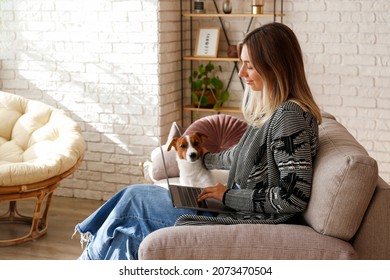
[[348, 216], [39, 146]]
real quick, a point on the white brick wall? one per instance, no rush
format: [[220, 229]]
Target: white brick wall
[[347, 51], [115, 66], [99, 60]]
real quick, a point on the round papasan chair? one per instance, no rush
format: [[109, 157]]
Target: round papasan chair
[[39, 146]]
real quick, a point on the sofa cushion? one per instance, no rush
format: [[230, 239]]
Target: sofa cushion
[[344, 180], [37, 141], [243, 242], [223, 131], [156, 169], [372, 241]]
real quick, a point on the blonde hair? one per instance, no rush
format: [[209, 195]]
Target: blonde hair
[[276, 55]]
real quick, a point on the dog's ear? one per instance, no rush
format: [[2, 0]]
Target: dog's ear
[[172, 144], [201, 135]]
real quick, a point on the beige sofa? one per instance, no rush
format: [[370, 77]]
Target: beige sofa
[[348, 216]]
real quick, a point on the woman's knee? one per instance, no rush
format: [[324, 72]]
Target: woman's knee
[[149, 195], [145, 190]]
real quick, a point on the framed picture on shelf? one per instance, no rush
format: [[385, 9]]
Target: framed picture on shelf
[[207, 41]]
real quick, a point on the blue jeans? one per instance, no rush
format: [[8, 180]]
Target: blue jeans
[[118, 227]]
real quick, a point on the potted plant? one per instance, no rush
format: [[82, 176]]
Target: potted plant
[[207, 89]]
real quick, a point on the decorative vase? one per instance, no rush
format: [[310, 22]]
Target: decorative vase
[[227, 7], [206, 99], [232, 51], [199, 6], [257, 6]]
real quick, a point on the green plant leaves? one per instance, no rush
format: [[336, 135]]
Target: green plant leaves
[[203, 79], [224, 96]]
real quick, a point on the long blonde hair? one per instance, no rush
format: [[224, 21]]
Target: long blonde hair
[[275, 53]]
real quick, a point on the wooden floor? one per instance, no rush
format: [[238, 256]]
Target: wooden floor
[[57, 244]]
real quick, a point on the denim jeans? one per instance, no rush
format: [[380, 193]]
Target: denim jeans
[[118, 227]]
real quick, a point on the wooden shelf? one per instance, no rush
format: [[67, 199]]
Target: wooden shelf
[[223, 109], [231, 15], [190, 21], [210, 58]]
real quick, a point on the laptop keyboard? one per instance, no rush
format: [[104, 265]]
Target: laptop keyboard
[[190, 196]]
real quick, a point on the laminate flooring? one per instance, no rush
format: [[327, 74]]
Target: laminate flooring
[[57, 243]]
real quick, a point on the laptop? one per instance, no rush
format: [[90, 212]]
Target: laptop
[[187, 196]]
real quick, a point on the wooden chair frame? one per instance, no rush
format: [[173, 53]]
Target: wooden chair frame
[[43, 192]]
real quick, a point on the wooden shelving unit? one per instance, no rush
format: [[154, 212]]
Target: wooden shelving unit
[[224, 109], [210, 58], [188, 15]]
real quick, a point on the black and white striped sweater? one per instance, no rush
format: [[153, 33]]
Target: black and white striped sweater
[[273, 167]]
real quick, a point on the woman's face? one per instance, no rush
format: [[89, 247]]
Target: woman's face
[[248, 72]]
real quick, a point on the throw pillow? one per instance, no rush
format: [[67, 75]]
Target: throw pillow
[[157, 167]]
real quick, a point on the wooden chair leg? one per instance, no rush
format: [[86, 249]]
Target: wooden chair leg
[[38, 221]]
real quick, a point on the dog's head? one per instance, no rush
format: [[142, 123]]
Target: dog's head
[[189, 147]]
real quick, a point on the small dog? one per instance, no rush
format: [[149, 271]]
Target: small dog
[[190, 151]]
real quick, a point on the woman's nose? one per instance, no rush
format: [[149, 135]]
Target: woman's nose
[[242, 71]]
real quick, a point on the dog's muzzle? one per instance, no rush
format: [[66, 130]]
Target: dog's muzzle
[[194, 156]]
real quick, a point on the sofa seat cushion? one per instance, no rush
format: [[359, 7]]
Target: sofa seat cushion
[[277, 242], [344, 181], [37, 141]]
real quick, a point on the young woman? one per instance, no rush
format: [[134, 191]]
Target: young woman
[[271, 167]]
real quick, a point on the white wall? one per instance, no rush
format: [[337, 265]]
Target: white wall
[[347, 50], [114, 65], [99, 60]]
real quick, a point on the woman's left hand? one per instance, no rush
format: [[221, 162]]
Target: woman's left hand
[[217, 191]]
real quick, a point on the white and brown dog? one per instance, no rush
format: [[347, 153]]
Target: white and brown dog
[[190, 151]]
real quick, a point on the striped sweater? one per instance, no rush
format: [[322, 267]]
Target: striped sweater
[[272, 166]]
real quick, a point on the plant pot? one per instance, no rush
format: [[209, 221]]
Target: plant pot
[[207, 100]]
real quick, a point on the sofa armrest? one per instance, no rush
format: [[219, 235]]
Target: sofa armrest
[[372, 240], [284, 241]]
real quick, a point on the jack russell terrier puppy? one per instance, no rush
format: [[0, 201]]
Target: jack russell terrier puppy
[[189, 159]]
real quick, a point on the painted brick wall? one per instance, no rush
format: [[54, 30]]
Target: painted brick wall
[[115, 66], [100, 61], [347, 51], [346, 46]]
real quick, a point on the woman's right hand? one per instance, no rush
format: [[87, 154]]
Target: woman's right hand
[[217, 191]]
